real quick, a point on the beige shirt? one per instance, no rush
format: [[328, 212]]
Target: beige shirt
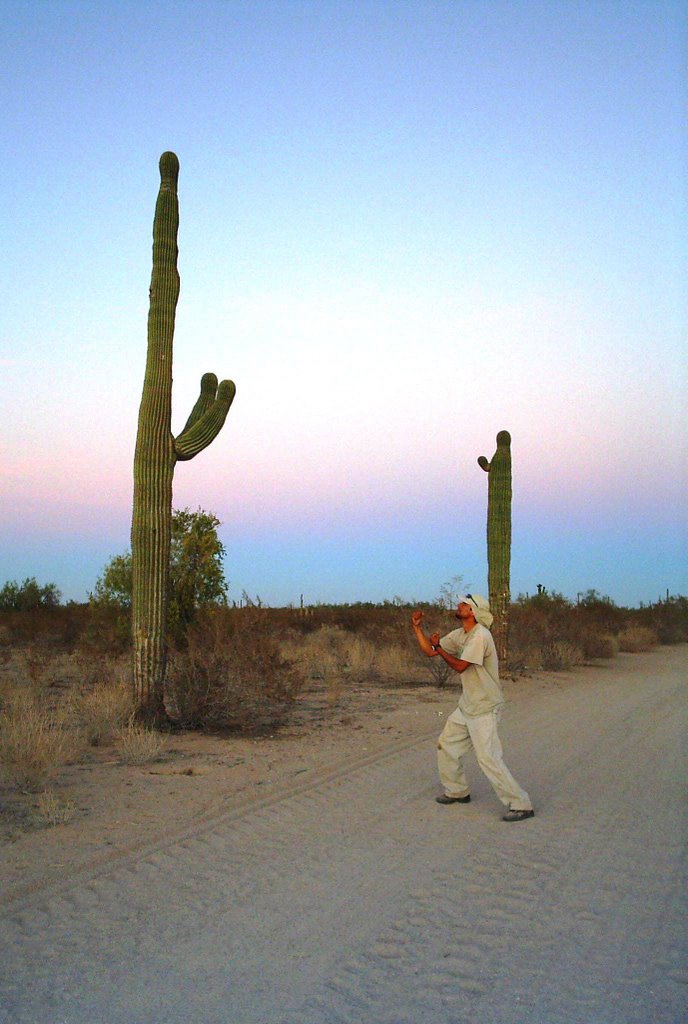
[[480, 681]]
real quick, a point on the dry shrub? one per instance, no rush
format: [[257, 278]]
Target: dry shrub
[[37, 665], [137, 744], [668, 619], [96, 668], [35, 742], [600, 645], [232, 674], [636, 639], [436, 621], [50, 627], [336, 656], [331, 651], [440, 672], [62, 671], [548, 632], [53, 809], [396, 663], [103, 710], [331, 655], [313, 660], [523, 658], [25, 669], [560, 655], [359, 657]]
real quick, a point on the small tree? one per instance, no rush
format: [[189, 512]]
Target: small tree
[[197, 579], [449, 593], [113, 588]]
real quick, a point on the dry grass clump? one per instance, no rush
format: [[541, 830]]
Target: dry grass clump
[[329, 653], [25, 669], [137, 744], [94, 668], [37, 665], [636, 639], [335, 656], [47, 673], [103, 711], [397, 664], [359, 657], [35, 741], [560, 655], [551, 655], [53, 809]]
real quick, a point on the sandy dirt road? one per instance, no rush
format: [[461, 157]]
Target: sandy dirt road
[[353, 897]]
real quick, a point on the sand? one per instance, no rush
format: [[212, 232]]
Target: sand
[[311, 878]]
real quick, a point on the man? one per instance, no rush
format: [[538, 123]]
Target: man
[[470, 651]]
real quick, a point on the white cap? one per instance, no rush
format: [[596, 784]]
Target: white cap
[[480, 606]]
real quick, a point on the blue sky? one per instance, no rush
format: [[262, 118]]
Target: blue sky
[[404, 227]]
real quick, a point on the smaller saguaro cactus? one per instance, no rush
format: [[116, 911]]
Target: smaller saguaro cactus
[[499, 539]]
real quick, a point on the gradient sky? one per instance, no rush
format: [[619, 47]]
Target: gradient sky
[[404, 227]]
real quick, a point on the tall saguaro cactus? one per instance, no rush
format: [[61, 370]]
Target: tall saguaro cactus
[[158, 451], [499, 539]]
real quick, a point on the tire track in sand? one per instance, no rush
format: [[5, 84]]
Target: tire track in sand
[[234, 809]]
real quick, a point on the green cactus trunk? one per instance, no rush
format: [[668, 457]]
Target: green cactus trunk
[[499, 540], [157, 453]]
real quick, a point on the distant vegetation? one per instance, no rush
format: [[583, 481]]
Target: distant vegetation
[[33, 614], [27, 596]]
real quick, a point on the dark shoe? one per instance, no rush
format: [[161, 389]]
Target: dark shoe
[[518, 815], [444, 799]]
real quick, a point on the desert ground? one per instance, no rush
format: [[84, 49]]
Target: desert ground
[[310, 877]]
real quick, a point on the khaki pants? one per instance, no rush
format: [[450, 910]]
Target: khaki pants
[[459, 736]]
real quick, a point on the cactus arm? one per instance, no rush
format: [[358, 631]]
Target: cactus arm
[[204, 400], [484, 463], [202, 429]]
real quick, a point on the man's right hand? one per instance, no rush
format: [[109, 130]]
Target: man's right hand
[[416, 618]]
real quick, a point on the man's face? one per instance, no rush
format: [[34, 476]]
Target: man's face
[[464, 612]]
